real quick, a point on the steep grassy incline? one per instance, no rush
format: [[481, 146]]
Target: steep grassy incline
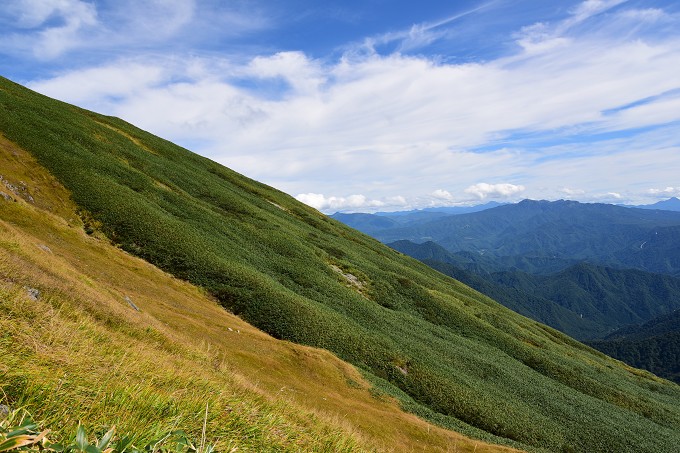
[[447, 352], [91, 334]]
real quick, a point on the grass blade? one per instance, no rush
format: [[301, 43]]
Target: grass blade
[[81, 438], [104, 441]]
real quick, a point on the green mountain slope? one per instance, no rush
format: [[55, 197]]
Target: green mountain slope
[[660, 325], [90, 334], [653, 346], [584, 300], [446, 351], [610, 297]]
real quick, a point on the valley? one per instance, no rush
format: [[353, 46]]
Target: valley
[[584, 269]]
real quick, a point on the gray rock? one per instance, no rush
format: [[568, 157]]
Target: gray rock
[[33, 294], [12, 188], [4, 410]]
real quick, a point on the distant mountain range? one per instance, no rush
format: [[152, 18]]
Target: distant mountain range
[[373, 223], [584, 269], [544, 237], [672, 204], [439, 211]]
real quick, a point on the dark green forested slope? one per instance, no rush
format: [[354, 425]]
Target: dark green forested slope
[[654, 345], [584, 300], [531, 305], [448, 352]]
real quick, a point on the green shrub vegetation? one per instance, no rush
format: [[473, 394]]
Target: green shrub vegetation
[[447, 352], [94, 337]]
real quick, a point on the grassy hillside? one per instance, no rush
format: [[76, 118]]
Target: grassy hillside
[[447, 352], [91, 334]]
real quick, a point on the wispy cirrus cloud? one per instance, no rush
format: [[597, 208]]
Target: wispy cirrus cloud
[[71, 17], [416, 37], [542, 36], [50, 29], [30, 14]]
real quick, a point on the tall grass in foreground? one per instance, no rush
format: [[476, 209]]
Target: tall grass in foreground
[[78, 356], [72, 368], [18, 432]]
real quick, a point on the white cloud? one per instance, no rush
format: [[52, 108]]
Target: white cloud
[[34, 13], [544, 37], [157, 19], [645, 15], [660, 111], [51, 41], [442, 195], [49, 29], [629, 166], [397, 200], [382, 118], [118, 80], [484, 190], [587, 9], [418, 36], [539, 38], [301, 73], [665, 192], [352, 202], [572, 192]]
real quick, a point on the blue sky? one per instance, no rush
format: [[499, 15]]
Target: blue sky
[[380, 105]]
